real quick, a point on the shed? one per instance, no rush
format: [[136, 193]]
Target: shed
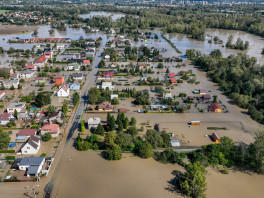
[[175, 143], [193, 123], [215, 138]]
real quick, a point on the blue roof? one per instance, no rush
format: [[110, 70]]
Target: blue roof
[[32, 170]]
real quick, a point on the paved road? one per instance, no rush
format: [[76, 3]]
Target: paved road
[[90, 82]]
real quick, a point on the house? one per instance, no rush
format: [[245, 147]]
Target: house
[[173, 81], [39, 79], [108, 74], [158, 107], [215, 108], [64, 91], [171, 75], [56, 117], [48, 53], [167, 95], [14, 76], [2, 95], [107, 56], [27, 73], [32, 67], [114, 96], [60, 47], [53, 129], [123, 110], [23, 115], [31, 146], [194, 123], [90, 52], [175, 143], [105, 106], [142, 66], [58, 80], [77, 76], [108, 85], [86, 62], [32, 165], [72, 67], [5, 118], [75, 86], [215, 138], [144, 77], [11, 83], [18, 106], [93, 122], [202, 91], [26, 133], [8, 70], [206, 97]]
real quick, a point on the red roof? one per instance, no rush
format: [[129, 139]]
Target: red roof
[[30, 67], [42, 58], [5, 116], [108, 74], [51, 128], [173, 80], [64, 87], [1, 92], [27, 132], [171, 74], [39, 61], [86, 61], [214, 106], [123, 110]]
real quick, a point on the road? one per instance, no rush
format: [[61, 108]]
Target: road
[[90, 82]]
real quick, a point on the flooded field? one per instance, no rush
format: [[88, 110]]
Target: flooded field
[[114, 16]]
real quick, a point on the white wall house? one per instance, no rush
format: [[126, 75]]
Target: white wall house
[[27, 73], [106, 85], [33, 165], [18, 106], [2, 95], [93, 122], [114, 96], [64, 91], [31, 146], [9, 83]]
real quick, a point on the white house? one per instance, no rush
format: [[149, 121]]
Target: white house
[[77, 76], [60, 47], [106, 85], [5, 118], [175, 143], [18, 106], [9, 83], [31, 146], [28, 73], [93, 122], [64, 91], [2, 95], [167, 95], [114, 96], [107, 56], [32, 165]]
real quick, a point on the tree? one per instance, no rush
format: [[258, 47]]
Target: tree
[[126, 123], [215, 99], [51, 109], [133, 121], [76, 98], [46, 137], [101, 63], [82, 126], [262, 51], [4, 139], [114, 101], [42, 99], [64, 109], [146, 150], [125, 141], [166, 139], [156, 127], [120, 127], [99, 130], [15, 113], [160, 66], [110, 122], [109, 139], [12, 87], [153, 137], [132, 131], [256, 153], [113, 153], [193, 182]]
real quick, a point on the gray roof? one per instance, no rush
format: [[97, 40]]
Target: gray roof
[[31, 161], [27, 71], [77, 75], [16, 105], [32, 170]]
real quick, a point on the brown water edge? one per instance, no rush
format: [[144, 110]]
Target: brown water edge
[[15, 29]]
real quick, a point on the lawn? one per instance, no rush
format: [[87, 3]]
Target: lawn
[[3, 11]]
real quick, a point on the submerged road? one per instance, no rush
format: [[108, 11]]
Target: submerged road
[[90, 82]]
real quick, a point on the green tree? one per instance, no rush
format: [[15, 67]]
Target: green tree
[[125, 141], [126, 123], [42, 99], [153, 137], [99, 130], [51, 109], [113, 153], [132, 131], [15, 114], [193, 182], [4, 138], [120, 127], [145, 150], [101, 63], [64, 109], [110, 122], [46, 137], [133, 121], [109, 139], [76, 98]]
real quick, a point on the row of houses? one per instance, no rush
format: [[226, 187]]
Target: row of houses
[[43, 40]]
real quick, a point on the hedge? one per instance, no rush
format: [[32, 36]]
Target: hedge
[[7, 151], [10, 157]]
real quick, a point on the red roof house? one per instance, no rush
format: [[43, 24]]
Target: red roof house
[[27, 132], [173, 81], [53, 129]]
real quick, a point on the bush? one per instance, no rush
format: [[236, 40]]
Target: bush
[[46, 137], [43, 155], [113, 153], [224, 171], [145, 150]]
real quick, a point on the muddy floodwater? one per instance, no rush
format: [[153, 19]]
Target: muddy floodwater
[[114, 16]]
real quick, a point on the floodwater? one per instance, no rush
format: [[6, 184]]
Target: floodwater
[[114, 16], [184, 42]]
